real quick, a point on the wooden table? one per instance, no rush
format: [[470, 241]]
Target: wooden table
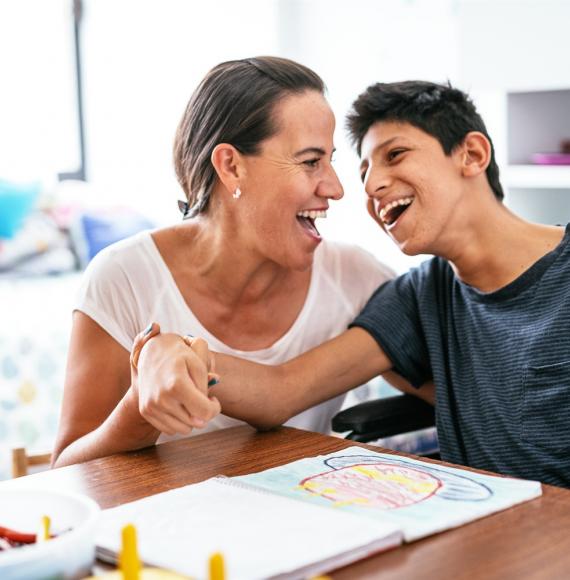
[[529, 541]]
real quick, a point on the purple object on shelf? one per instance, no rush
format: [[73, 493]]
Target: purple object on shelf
[[551, 158]]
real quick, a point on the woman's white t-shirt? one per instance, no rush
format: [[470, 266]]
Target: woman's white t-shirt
[[128, 285]]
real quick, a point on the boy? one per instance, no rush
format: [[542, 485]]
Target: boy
[[486, 318]]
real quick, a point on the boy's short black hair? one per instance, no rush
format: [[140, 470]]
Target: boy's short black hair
[[442, 111]]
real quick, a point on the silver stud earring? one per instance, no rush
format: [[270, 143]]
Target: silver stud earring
[[236, 194]]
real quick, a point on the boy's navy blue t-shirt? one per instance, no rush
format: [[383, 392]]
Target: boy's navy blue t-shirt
[[500, 361]]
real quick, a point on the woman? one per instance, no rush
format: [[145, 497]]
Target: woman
[[246, 270]]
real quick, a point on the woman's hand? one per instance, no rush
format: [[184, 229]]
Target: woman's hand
[[170, 374]]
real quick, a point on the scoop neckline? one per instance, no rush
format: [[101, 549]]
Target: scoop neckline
[[213, 341]]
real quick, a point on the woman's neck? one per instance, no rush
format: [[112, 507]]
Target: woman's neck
[[220, 264], [247, 302]]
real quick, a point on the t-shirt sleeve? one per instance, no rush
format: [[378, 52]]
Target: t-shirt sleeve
[[392, 318], [105, 295]]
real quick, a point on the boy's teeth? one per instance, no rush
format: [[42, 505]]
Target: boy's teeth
[[393, 204], [313, 214]]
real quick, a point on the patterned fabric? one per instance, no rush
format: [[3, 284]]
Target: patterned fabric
[[36, 322]]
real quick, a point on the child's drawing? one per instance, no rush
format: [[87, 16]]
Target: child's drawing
[[380, 485], [389, 483], [420, 497]]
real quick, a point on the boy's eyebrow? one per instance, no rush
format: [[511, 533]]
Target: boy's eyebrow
[[377, 148]]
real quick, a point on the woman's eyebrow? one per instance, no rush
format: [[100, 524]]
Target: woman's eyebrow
[[314, 150]]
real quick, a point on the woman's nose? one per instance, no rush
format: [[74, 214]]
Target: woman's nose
[[331, 187]]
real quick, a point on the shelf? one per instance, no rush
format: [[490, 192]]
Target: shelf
[[536, 176], [537, 121]]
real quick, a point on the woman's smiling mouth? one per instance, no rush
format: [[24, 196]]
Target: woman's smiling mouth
[[307, 220]]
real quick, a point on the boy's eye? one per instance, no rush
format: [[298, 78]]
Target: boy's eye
[[394, 153]]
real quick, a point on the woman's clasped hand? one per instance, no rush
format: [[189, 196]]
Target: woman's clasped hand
[[173, 389]]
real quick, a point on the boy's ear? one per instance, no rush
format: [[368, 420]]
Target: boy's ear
[[228, 163], [475, 154]]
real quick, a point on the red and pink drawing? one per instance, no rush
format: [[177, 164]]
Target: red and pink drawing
[[389, 484]]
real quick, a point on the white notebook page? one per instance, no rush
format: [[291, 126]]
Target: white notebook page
[[260, 534]]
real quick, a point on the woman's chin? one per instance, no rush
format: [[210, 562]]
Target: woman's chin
[[301, 262]]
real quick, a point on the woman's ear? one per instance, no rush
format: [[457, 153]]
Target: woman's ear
[[227, 162], [475, 154]]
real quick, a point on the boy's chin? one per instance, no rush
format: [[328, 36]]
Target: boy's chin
[[408, 246]]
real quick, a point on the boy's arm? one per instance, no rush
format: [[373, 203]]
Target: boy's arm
[[426, 392], [267, 396]]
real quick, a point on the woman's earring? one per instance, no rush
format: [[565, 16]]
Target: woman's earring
[[236, 194]]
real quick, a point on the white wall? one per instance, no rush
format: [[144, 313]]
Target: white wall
[[36, 90], [143, 58], [514, 44]]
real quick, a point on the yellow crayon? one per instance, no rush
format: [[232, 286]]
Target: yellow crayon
[[43, 532], [217, 568], [129, 562], [130, 567]]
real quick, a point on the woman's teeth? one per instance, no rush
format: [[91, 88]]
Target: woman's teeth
[[313, 214], [385, 211]]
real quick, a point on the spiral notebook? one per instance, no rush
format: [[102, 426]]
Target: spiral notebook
[[307, 517], [260, 535]]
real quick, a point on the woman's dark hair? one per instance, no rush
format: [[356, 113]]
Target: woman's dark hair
[[442, 111], [233, 104]]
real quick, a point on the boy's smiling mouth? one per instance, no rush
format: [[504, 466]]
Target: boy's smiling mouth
[[392, 211]]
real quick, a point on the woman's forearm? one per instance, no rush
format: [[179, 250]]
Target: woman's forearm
[[123, 430]]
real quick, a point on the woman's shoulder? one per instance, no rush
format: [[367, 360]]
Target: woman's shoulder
[[121, 265], [126, 252]]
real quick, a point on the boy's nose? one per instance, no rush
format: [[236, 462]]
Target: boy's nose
[[376, 181]]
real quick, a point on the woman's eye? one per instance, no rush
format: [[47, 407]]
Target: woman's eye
[[312, 162]]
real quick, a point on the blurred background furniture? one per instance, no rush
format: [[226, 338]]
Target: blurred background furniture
[[22, 461], [36, 323]]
